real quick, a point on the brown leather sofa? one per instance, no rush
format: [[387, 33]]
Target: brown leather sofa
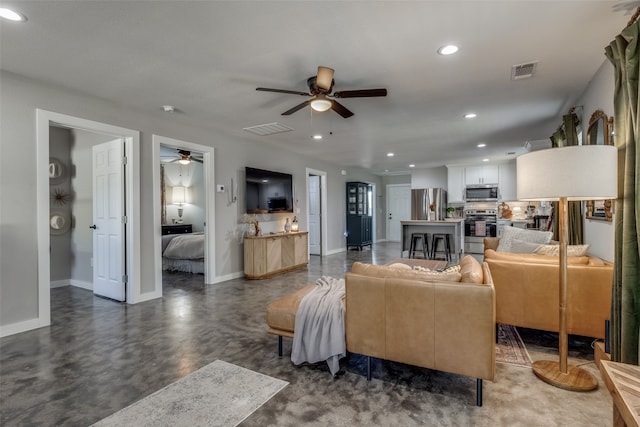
[[527, 293], [439, 321], [443, 325]]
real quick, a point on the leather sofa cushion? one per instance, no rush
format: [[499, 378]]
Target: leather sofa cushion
[[471, 270], [534, 258], [383, 271], [281, 314]]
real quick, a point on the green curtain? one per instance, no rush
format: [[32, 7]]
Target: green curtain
[[625, 309], [560, 139]]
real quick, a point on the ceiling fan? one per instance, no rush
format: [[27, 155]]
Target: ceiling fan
[[184, 157], [320, 87]]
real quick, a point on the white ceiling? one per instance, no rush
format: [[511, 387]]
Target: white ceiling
[[207, 57]]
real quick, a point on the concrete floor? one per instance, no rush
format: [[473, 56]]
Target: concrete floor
[[99, 356]]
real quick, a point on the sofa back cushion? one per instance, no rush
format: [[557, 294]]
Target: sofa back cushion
[[490, 254], [385, 271]]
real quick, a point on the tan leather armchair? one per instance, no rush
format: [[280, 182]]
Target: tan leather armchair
[[443, 325], [527, 294]]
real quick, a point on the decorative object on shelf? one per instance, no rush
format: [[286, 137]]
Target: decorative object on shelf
[[60, 197], [600, 133], [179, 199], [294, 224], [252, 220], [57, 171], [504, 211], [287, 226], [59, 223], [577, 172]]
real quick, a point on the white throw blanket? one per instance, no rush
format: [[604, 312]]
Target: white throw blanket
[[319, 329]]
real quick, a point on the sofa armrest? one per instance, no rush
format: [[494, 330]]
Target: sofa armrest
[[491, 243]]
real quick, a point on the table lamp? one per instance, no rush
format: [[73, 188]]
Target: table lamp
[[179, 199], [581, 172]]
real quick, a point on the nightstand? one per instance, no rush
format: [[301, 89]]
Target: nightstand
[[177, 229]]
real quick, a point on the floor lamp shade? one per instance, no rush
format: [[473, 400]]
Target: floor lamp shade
[[580, 172]]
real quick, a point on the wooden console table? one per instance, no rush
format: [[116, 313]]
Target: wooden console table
[[623, 382], [272, 254]]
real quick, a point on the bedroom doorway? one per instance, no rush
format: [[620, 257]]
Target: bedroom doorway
[[184, 197], [46, 121], [317, 211]]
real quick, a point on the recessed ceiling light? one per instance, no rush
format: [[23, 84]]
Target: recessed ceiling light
[[317, 137], [481, 145], [390, 154], [470, 116], [449, 49], [168, 108], [485, 160], [412, 165], [12, 15]]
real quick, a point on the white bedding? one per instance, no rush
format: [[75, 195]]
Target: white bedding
[[185, 246]]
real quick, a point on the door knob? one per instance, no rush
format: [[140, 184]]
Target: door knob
[[93, 226]]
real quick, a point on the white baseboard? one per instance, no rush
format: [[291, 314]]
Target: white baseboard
[[336, 251], [81, 284], [27, 325], [59, 283], [236, 275]]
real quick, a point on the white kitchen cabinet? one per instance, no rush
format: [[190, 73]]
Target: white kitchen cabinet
[[485, 174], [455, 184], [508, 184]]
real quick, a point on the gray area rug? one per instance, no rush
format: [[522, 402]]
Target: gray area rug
[[219, 394]]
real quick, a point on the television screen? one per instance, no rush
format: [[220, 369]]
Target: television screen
[[268, 191]]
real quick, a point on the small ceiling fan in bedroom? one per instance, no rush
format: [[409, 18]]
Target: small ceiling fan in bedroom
[[184, 157], [320, 87]]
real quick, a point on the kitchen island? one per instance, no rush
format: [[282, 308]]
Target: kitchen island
[[453, 226]]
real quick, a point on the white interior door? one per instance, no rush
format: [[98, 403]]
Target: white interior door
[[315, 243], [398, 209], [108, 220]]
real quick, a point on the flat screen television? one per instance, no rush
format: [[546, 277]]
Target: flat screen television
[[268, 191]]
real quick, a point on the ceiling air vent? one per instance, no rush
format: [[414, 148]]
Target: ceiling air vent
[[523, 71], [268, 129]]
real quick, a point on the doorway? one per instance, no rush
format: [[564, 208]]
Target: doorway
[[44, 121], [317, 211], [206, 217]]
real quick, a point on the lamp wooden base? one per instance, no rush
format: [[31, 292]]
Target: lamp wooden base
[[576, 379]]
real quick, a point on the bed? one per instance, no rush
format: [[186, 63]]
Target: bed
[[183, 252]]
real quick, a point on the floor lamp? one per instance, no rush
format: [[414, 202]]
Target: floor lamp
[[582, 172]]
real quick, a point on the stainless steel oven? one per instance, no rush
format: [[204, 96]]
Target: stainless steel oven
[[478, 224]]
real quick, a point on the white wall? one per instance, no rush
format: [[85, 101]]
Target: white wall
[[599, 96], [18, 244]]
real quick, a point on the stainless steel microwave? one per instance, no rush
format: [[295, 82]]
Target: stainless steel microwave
[[481, 193]]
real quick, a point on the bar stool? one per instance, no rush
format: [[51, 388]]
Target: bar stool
[[415, 239], [445, 238]]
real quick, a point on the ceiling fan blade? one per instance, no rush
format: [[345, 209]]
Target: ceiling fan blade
[[296, 108], [363, 93], [195, 159], [292, 92], [341, 109], [324, 78]]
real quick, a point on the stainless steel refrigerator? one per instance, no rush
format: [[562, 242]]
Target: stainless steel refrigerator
[[429, 204]]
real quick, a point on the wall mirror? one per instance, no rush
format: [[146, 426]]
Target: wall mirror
[[600, 132]]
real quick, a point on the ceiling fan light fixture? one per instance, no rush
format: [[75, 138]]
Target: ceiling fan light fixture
[[320, 103], [184, 160]]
